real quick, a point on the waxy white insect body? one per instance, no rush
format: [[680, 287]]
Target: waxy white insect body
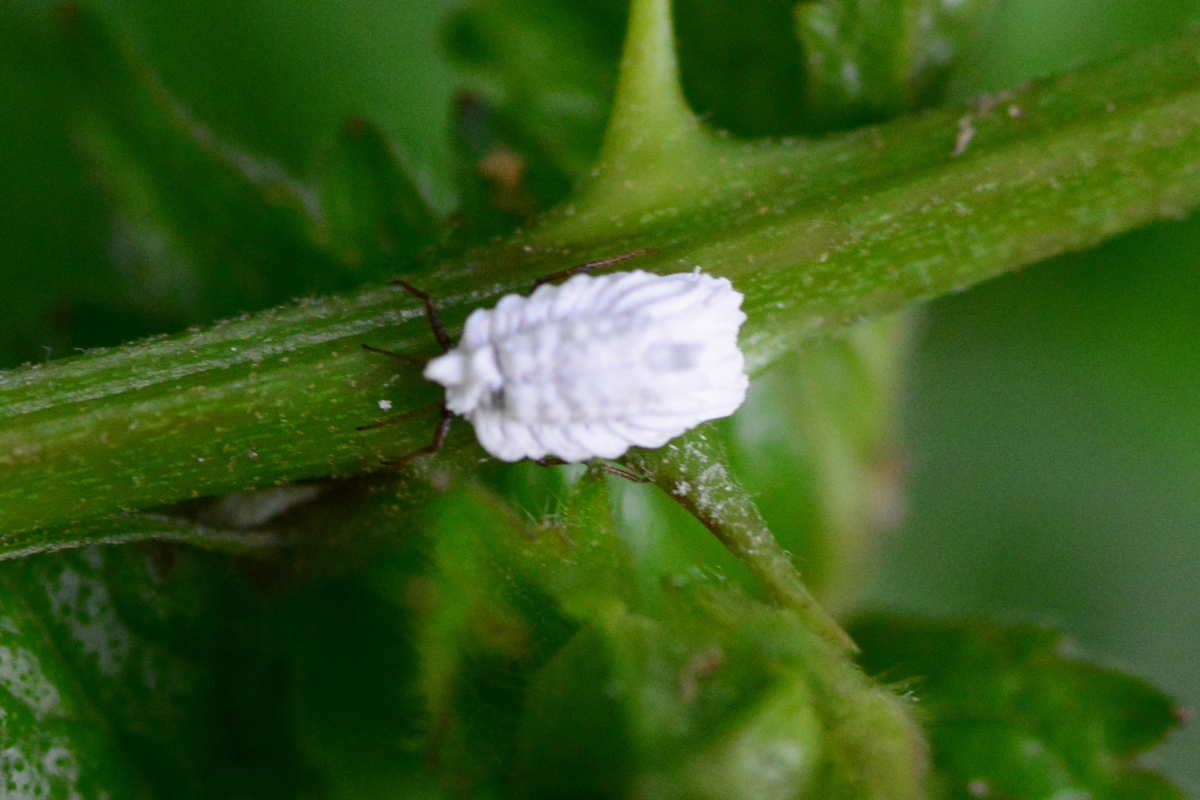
[[593, 366]]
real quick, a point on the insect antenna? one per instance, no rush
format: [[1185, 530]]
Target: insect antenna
[[591, 265]]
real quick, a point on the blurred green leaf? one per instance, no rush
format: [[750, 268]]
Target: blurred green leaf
[[129, 675], [817, 446], [378, 222], [210, 230], [552, 66], [404, 669], [715, 696], [347, 651], [1011, 714], [497, 618], [549, 674], [505, 177], [541, 76], [344, 612], [870, 60], [741, 65], [55, 742], [1052, 429], [123, 528], [278, 78], [60, 290]]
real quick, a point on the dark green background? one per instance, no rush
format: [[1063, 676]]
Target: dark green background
[[1053, 416]]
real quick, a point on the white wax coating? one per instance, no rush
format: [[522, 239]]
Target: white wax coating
[[596, 365]]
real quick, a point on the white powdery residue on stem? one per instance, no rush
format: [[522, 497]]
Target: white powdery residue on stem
[[715, 497]]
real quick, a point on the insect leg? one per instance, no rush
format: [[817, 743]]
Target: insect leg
[[629, 475], [407, 415], [549, 461], [589, 266], [435, 322], [621, 473], [439, 440], [398, 356]]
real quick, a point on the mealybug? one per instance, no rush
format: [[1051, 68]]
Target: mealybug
[[593, 366]]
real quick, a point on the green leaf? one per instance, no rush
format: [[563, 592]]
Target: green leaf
[[377, 220], [55, 742], [404, 669], [505, 176], [60, 290], [549, 674], [551, 64], [741, 65], [494, 622], [124, 528], [122, 667], [714, 696], [816, 444], [941, 35], [870, 60], [346, 649], [212, 230], [1011, 714]]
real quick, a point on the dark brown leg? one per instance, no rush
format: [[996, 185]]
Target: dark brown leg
[[444, 340], [621, 473], [435, 322], [439, 439], [407, 415], [551, 461], [397, 356], [589, 266]]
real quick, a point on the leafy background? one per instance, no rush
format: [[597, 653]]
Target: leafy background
[[1052, 421], [1053, 438]]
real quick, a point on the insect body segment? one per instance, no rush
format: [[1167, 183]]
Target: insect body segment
[[596, 365]]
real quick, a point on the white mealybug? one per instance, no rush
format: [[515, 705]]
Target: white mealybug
[[593, 366]]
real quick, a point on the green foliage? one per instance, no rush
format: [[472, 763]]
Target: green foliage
[[551, 66], [463, 628], [1011, 714], [550, 674], [245, 242], [377, 220], [868, 60], [129, 673]]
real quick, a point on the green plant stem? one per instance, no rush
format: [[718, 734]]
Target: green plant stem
[[823, 234], [693, 470], [817, 234]]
